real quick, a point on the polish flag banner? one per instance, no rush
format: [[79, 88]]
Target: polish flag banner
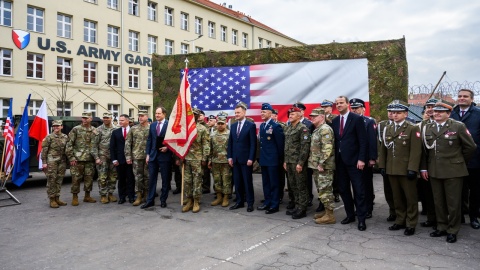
[[39, 130]]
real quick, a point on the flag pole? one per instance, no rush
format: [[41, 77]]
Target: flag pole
[[1, 166], [183, 172], [122, 96]]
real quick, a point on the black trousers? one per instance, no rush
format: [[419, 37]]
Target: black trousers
[[349, 177], [126, 181]]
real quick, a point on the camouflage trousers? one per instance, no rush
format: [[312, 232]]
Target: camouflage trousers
[[323, 181], [107, 176], [192, 179], [140, 171], [298, 185], [84, 170], [222, 178], [55, 172]]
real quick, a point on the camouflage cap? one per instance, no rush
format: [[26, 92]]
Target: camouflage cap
[[142, 112], [196, 111], [107, 115], [222, 113], [241, 104], [317, 112], [86, 114], [221, 119], [57, 123]]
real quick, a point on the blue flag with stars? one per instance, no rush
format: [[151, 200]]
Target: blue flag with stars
[[21, 167]]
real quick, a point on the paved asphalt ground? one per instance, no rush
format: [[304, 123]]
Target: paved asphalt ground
[[112, 236]]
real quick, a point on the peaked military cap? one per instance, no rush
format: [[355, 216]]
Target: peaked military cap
[[211, 117], [356, 102], [326, 103], [294, 109], [443, 106], [431, 101], [300, 105], [275, 111], [57, 123], [397, 106], [317, 112], [86, 114], [267, 106]]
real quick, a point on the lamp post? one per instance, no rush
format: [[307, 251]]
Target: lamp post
[[193, 41]]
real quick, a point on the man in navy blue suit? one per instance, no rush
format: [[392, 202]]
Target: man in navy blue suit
[[158, 157], [272, 143], [350, 158], [241, 149]]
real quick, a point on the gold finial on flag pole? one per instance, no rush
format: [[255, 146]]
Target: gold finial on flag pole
[[186, 63]]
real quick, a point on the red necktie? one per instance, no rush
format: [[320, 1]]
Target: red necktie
[[341, 126], [124, 133]]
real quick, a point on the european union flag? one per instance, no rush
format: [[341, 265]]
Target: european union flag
[[21, 167]]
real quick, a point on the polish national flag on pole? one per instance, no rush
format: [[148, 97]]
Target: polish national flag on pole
[[39, 130]]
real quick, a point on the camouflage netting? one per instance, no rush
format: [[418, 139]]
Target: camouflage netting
[[387, 67]]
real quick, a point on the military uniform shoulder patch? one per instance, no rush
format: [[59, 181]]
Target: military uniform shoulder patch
[[417, 134], [468, 132]]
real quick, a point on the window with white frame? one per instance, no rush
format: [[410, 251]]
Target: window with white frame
[[133, 77], [234, 37], [150, 80], [89, 72], [198, 25], [130, 113], [5, 62], [184, 48], [269, 43], [5, 13], [133, 41], [35, 65], [112, 38], [34, 106], [133, 7], [184, 21], [4, 106], [223, 33], [67, 107], [245, 40], [152, 11], [64, 25], [90, 107], [114, 109], [35, 19], [198, 49], [152, 44], [169, 16], [168, 47], [113, 4], [112, 75], [64, 69], [211, 29], [89, 31], [260, 43], [91, 1]]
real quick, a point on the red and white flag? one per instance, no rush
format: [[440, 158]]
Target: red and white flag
[[39, 130], [9, 136], [181, 130]]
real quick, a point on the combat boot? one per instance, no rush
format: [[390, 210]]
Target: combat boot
[[111, 198], [103, 199], [188, 206], [225, 202], [60, 203], [319, 215], [75, 199], [87, 198], [196, 206], [218, 200], [138, 201], [53, 203], [328, 218]]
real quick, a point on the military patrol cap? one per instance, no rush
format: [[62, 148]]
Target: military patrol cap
[[326, 103], [221, 119], [431, 101], [211, 117], [356, 102], [196, 111], [86, 114], [300, 105], [241, 104], [267, 107], [294, 109], [222, 113], [443, 106], [107, 115], [142, 112], [317, 112], [57, 123], [397, 106]]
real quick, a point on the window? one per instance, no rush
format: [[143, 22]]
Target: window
[[234, 37], [184, 21], [112, 75], [130, 113], [89, 31], [112, 39], [152, 44], [34, 65], [133, 41], [133, 7], [198, 25], [184, 48], [64, 69], [245, 40], [90, 107], [260, 43], [269, 43], [150, 80], [67, 107], [211, 29], [223, 33], [113, 4], [152, 11], [277, 45], [35, 19], [168, 47], [5, 62], [5, 13], [169, 16], [34, 106], [64, 26], [4, 105], [133, 77], [89, 72], [114, 109], [91, 1], [198, 49]]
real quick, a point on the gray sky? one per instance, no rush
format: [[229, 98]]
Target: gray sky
[[441, 35]]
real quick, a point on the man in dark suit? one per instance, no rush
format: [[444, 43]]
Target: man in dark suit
[[350, 158], [242, 144], [158, 157], [125, 178]]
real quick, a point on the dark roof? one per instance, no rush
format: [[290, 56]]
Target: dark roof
[[415, 112]]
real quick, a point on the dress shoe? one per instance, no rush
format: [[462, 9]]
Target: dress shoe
[[409, 231], [176, 191], [271, 210], [236, 206], [291, 211], [362, 226], [348, 220], [163, 204], [309, 203], [262, 207], [290, 205], [250, 208], [428, 223], [451, 238], [368, 215], [438, 233], [262, 201], [462, 220], [320, 208], [121, 201], [299, 214], [337, 198], [391, 218], [147, 205], [474, 223], [131, 200], [396, 227]]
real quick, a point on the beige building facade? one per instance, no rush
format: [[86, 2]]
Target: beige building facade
[[80, 55]]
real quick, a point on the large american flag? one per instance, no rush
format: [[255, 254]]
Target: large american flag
[[9, 135], [216, 89]]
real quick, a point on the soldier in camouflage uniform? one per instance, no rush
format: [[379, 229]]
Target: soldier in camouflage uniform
[[322, 161], [196, 157], [79, 152], [218, 162], [135, 153], [107, 175], [54, 162]]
